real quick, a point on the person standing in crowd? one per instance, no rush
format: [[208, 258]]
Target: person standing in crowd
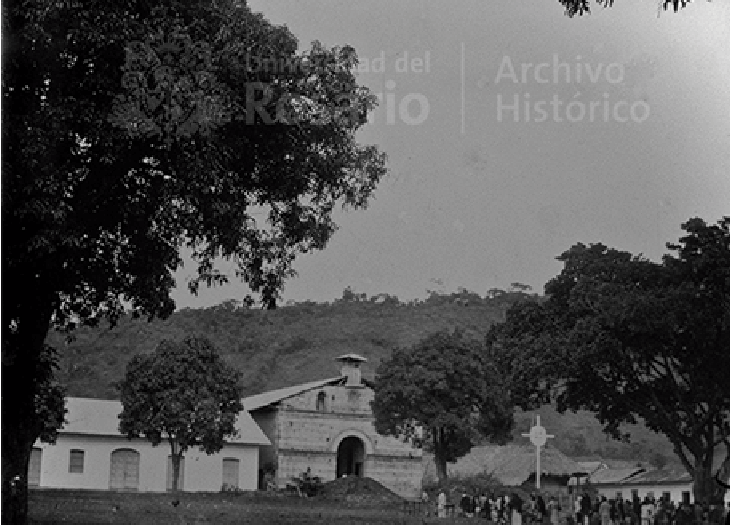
[[647, 512], [553, 509], [425, 503], [604, 511], [683, 515], [636, 511], [516, 506], [541, 509], [585, 509], [596, 517], [484, 504], [441, 504], [620, 511], [476, 504], [576, 510], [465, 504], [493, 506], [628, 508]]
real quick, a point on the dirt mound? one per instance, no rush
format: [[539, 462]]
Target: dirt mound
[[354, 489]]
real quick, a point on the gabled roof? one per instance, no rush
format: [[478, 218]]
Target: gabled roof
[[658, 477], [100, 417], [614, 475], [275, 396]]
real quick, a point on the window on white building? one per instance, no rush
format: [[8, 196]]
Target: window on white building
[[76, 461], [230, 473], [321, 398]]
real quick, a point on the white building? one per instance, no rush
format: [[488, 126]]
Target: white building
[[629, 483], [90, 453], [675, 485]]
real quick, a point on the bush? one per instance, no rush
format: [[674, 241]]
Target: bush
[[307, 485], [231, 489], [481, 483]]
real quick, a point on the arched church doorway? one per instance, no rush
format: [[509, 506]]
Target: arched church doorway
[[351, 457]]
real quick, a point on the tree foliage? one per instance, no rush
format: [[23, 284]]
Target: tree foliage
[[183, 393], [628, 338], [583, 7], [135, 129], [445, 387]]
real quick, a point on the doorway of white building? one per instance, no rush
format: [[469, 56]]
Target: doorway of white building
[[124, 472], [351, 457]]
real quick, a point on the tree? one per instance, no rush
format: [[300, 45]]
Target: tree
[[583, 7], [183, 393], [631, 339], [444, 386], [519, 288], [134, 129]]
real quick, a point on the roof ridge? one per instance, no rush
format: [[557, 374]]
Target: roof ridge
[[271, 397]]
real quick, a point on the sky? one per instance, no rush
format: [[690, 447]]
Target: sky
[[512, 133]]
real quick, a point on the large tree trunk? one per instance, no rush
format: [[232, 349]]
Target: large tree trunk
[[441, 471], [16, 449], [19, 432], [23, 344], [706, 489], [176, 457], [439, 455], [722, 476]]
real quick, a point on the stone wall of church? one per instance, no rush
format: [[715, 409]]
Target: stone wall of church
[[311, 426]]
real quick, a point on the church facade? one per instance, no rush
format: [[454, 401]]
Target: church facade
[[326, 427]]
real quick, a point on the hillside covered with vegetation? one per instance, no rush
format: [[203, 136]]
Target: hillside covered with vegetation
[[297, 343]]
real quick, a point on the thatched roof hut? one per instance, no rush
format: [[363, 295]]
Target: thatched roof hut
[[513, 465]]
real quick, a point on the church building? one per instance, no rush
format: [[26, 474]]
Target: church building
[[327, 427]]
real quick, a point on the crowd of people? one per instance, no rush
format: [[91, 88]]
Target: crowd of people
[[502, 509], [511, 509], [649, 511]]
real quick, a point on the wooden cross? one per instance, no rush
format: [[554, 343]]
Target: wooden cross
[[538, 437]]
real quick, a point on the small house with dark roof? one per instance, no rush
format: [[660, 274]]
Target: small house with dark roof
[[664, 483], [326, 427]]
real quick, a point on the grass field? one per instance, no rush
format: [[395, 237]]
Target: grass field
[[103, 507]]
